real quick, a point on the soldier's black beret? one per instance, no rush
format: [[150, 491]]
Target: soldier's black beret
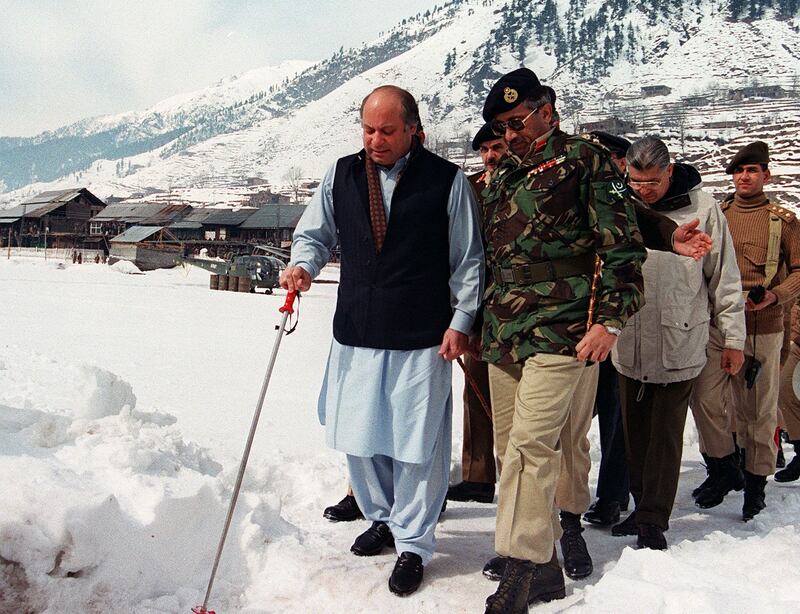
[[615, 144], [510, 90], [753, 153], [484, 134]]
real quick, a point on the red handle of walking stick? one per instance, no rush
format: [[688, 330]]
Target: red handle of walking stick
[[289, 304]]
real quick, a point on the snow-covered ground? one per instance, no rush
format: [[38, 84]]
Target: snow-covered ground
[[125, 401]]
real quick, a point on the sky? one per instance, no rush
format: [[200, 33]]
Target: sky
[[65, 60]]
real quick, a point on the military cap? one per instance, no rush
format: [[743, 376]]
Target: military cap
[[753, 153], [510, 90], [484, 134], [615, 144]]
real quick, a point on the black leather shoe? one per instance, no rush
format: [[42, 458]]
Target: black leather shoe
[[407, 574], [495, 568], [652, 537], [602, 513], [373, 540], [626, 527], [344, 511], [577, 561], [471, 491]]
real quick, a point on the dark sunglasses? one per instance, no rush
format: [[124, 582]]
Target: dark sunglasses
[[499, 128]]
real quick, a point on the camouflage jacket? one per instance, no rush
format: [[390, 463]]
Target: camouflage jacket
[[565, 198]]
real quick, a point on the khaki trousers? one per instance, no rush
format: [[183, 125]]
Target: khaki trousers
[[711, 402], [477, 452], [787, 400], [531, 404], [757, 408]]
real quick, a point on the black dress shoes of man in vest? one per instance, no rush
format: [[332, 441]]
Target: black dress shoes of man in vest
[[406, 575], [373, 540], [344, 511]]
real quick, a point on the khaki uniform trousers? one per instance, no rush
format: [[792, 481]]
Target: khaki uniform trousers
[[534, 434], [711, 402], [477, 452], [787, 400], [757, 408]]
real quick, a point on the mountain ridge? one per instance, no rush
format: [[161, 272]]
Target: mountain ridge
[[596, 54]]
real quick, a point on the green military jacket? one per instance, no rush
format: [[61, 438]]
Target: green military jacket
[[564, 199]]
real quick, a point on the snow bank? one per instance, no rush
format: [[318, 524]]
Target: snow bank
[[115, 512], [127, 267], [718, 574]]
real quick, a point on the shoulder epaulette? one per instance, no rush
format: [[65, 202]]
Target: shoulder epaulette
[[782, 212], [588, 136]]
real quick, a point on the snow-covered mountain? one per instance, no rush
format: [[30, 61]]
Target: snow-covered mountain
[[597, 54]]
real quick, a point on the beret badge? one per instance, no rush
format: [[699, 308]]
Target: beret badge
[[510, 95]]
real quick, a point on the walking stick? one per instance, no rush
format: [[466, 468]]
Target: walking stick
[[598, 266], [474, 385], [287, 309]]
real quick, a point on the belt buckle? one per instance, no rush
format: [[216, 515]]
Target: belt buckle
[[522, 274], [550, 267]]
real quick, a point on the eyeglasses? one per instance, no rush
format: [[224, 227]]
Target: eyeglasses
[[499, 128], [651, 183]]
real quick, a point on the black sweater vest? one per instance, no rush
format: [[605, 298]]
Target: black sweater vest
[[399, 299]]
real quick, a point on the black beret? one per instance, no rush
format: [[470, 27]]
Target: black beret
[[552, 93], [509, 91], [484, 134], [615, 144], [754, 153]]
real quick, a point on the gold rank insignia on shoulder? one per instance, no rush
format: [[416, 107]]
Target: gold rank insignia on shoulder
[[782, 212], [546, 165], [510, 95]]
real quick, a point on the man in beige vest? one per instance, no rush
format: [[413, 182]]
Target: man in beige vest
[[766, 237]]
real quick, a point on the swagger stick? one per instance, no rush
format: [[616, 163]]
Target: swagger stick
[[598, 265], [474, 385]]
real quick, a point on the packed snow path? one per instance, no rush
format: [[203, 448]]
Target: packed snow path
[[124, 406]]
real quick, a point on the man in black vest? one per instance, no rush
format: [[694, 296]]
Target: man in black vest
[[410, 287]]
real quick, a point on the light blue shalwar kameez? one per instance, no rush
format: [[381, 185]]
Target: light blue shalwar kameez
[[390, 411]]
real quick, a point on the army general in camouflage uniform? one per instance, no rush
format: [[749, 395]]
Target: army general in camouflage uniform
[[554, 203]]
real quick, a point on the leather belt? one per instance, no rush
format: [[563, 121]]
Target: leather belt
[[547, 270]]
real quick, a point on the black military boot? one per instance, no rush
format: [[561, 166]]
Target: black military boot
[[626, 527], [709, 479], [602, 513], [728, 477], [792, 471], [471, 491], [780, 460], [524, 583], [495, 568], [754, 499], [344, 511], [577, 562]]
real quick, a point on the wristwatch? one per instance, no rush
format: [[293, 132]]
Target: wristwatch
[[614, 330]]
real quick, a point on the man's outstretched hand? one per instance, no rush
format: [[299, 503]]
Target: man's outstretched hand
[[295, 278], [688, 241]]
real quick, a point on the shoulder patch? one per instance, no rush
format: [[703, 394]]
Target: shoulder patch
[[782, 212]]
